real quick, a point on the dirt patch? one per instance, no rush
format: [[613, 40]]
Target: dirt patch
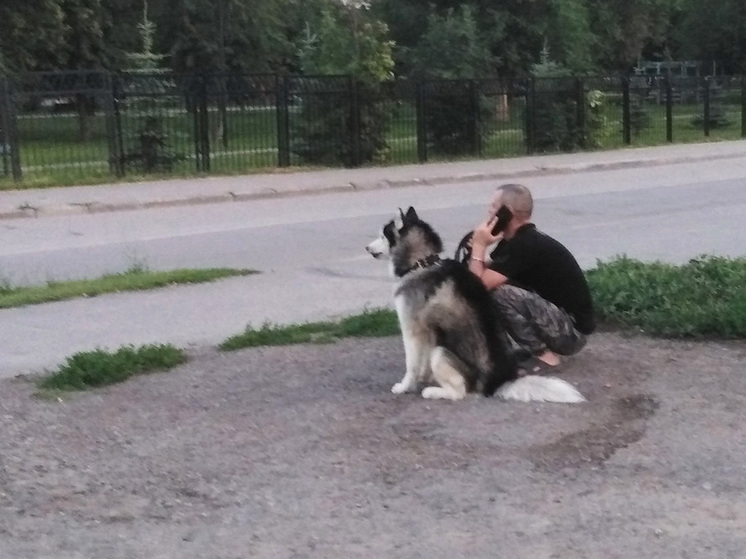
[[303, 452], [621, 424]]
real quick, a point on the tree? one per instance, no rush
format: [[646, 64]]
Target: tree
[[347, 41], [714, 32], [29, 34], [625, 29], [554, 105], [145, 59], [224, 35], [568, 34], [452, 48]]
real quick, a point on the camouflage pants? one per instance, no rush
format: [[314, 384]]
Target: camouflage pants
[[535, 324]]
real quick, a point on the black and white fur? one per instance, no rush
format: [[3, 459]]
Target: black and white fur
[[450, 327]]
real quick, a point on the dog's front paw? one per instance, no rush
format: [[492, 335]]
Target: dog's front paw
[[400, 388], [433, 393], [440, 393]]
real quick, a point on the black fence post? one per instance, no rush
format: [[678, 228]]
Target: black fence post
[[580, 89], [626, 116], [4, 136], [420, 103], [9, 141], [531, 116], [193, 104], [204, 126], [113, 124], [117, 96], [743, 106], [283, 121], [707, 106], [477, 118], [354, 88], [669, 110]]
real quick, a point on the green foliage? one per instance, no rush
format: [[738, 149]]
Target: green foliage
[[623, 30], [596, 122], [146, 60], [87, 22], [262, 35], [555, 107], [718, 117], [452, 47], [224, 35], [374, 322], [329, 130], [569, 35], [97, 368], [639, 119], [153, 154], [29, 33], [705, 297], [713, 31]]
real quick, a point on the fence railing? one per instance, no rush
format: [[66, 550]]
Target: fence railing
[[75, 126]]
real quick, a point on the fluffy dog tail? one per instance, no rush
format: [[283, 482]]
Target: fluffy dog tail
[[533, 388]]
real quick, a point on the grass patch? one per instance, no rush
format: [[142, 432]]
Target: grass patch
[[372, 323], [704, 298], [135, 279], [97, 368]]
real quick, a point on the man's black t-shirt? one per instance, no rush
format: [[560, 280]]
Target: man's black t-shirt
[[535, 261]]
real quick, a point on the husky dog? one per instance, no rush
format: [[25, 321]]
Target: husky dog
[[451, 330]]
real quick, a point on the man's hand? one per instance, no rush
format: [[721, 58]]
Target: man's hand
[[483, 236]]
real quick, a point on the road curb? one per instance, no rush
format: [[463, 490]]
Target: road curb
[[96, 207]]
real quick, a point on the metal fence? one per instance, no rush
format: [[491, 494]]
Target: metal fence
[[67, 127]]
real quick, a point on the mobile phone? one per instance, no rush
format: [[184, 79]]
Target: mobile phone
[[504, 215]]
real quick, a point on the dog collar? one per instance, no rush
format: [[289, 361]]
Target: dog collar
[[423, 263]]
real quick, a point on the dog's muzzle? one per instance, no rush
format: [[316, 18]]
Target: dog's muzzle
[[378, 248]]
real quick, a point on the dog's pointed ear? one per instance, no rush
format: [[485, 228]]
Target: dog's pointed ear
[[411, 216]]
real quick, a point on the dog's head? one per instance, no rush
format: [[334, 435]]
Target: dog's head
[[406, 240]]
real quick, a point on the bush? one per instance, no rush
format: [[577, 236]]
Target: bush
[[705, 297], [153, 153], [555, 120], [347, 127], [639, 119], [718, 114], [596, 122], [452, 118]]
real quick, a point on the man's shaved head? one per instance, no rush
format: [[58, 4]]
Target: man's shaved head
[[518, 198]]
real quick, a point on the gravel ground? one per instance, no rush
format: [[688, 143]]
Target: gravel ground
[[303, 452]]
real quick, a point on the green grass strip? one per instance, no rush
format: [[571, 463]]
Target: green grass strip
[[704, 298], [132, 280], [97, 368], [371, 323]]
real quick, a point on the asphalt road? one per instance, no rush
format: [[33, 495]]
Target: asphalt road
[[667, 212]]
